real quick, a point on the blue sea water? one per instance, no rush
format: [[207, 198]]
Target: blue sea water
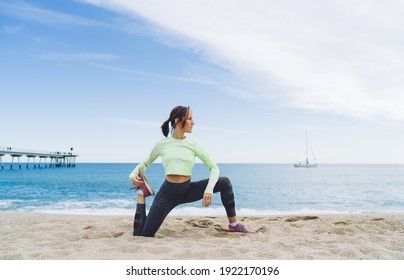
[[260, 189]]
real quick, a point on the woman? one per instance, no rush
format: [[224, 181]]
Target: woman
[[178, 154]]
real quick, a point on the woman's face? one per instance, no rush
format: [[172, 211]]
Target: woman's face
[[189, 123]]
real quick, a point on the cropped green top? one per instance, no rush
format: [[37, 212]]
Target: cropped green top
[[178, 158]]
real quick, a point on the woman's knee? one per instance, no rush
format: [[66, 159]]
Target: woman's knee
[[225, 181]]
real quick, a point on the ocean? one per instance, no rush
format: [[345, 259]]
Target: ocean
[[260, 189]]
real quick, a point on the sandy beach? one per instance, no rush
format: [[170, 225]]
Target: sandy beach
[[31, 236]]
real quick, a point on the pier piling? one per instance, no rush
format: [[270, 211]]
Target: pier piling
[[57, 159], [12, 161]]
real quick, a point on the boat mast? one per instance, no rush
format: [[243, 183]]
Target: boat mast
[[307, 151]]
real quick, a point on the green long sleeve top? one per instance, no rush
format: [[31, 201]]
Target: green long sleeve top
[[178, 158]]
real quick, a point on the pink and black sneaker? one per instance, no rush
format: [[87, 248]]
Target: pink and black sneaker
[[146, 190], [239, 229]]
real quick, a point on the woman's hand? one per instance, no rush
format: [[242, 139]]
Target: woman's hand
[[137, 181], [207, 199]]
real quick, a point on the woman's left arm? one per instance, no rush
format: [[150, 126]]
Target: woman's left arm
[[203, 155]]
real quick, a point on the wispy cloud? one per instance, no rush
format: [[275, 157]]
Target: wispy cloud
[[40, 40], [133, 122], [11, 29], [339, 56], [82, 57], [155, 75], [25, 11], [154, 125]]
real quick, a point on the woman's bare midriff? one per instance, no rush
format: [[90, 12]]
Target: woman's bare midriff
[[177, 178]]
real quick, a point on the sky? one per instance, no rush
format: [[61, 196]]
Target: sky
[[101, 77]]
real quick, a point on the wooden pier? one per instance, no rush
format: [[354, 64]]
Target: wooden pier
[[57, 159]]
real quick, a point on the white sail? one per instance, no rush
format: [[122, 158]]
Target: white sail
[[306, 163]]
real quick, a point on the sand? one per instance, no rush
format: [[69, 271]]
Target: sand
[[33, 236]]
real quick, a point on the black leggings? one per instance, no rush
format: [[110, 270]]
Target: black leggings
[[171, 195]]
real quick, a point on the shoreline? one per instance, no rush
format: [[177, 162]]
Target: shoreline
[[35, 236]]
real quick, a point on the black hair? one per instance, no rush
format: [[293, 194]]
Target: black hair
[[179, 112]]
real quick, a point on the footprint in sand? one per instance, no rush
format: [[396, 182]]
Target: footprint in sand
[[219, 228], [342, 223], [301, 218], [89, 227], [262, 229], [200, 223], [118, 234], [99, 235], [377, 219]]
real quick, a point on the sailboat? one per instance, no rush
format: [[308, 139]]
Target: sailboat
[[306, 164]]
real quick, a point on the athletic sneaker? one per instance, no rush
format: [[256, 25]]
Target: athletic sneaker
[[239, 229], [146, 188]]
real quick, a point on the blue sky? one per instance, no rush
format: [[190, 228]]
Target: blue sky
[[101, 76]]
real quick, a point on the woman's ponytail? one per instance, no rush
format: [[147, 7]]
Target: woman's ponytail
[[165, 127], [180, 113]]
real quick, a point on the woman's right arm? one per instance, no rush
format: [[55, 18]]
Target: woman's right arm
[[146, 163]]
